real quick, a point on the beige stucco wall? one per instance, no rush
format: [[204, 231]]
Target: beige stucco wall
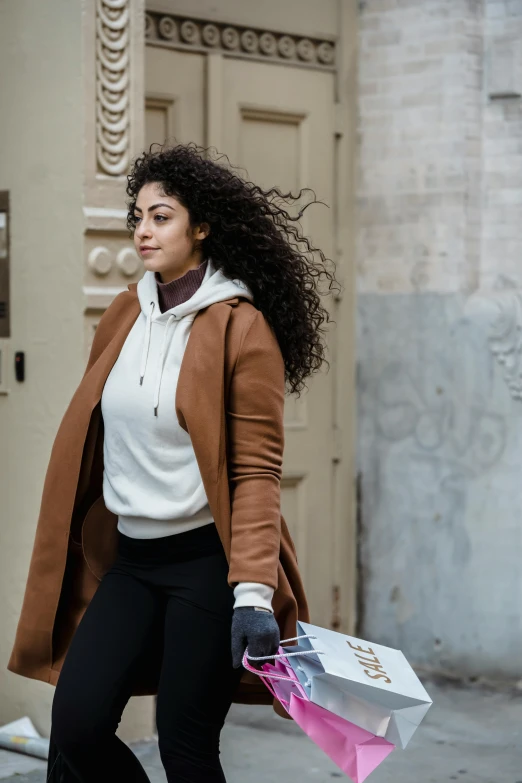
[[41, 130]]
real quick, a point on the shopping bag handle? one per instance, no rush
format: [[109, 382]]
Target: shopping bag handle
[[262, 673], [295, 638], [271, 675], [288, 655]]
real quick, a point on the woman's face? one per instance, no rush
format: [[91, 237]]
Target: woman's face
[[163, 236]]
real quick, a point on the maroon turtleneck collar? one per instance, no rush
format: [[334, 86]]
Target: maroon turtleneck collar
[[182, 288]]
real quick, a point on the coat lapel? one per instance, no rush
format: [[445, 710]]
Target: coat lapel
[[95, 379], [200, 397], [87, 397]]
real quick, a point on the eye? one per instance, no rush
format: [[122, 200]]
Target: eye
[[136, 219], [159, 218]]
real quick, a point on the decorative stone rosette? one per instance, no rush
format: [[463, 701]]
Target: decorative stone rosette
[[182, 33]]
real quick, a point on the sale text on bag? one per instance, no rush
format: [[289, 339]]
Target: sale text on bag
[[372, 663]]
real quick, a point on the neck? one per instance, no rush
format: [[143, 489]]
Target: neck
[[169, 277]]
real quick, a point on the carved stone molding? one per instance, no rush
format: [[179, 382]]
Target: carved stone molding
[[128, 262], [98, 298], [100, 261], [500, 315], [179, 32], [105, 219], [112, 86]]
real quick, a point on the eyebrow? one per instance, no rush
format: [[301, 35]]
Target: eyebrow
[[153, 207]]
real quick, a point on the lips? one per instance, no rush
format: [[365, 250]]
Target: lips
[[147, 249]]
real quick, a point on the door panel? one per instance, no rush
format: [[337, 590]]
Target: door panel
[[269, 146], [278, 124], [174, 96]]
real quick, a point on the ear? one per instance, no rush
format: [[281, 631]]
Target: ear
[[202, 231]]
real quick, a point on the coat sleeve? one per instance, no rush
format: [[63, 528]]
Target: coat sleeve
[[255, 456]]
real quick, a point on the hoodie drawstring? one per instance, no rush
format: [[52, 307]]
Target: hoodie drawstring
[[145, 354], [161, 362], [146, 343]]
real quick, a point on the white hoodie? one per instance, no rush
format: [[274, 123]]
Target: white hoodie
[[151, 478]]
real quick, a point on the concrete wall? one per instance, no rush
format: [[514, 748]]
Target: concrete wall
[[439, 319], [41, 164]]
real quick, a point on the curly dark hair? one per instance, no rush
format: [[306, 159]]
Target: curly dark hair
[[253, 238]]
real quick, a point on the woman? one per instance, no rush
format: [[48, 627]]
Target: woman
[[160, 525]]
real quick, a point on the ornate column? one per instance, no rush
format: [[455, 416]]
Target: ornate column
[[114, 120]]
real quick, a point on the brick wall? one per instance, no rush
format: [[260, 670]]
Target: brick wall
[[501, 265], [420, 72]]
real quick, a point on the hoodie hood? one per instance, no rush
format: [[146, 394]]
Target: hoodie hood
[[215, 287]]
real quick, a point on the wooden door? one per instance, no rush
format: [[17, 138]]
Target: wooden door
[[277, 122], [276, 118]]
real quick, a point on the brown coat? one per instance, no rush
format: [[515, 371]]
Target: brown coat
[[230, 399]]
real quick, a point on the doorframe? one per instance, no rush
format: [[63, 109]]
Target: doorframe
[[344, 601]]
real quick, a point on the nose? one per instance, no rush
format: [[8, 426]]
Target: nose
[[142, 230]]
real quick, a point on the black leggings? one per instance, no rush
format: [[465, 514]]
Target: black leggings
[[177, 584]]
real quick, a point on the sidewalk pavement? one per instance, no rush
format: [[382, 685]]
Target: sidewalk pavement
[[471, 734]]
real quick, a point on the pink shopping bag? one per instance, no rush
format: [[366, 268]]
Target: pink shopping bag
[[356, 751]]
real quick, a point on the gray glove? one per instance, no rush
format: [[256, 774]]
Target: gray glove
[[256, 630]]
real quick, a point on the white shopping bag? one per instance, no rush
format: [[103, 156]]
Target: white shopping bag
[[367, 684]]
